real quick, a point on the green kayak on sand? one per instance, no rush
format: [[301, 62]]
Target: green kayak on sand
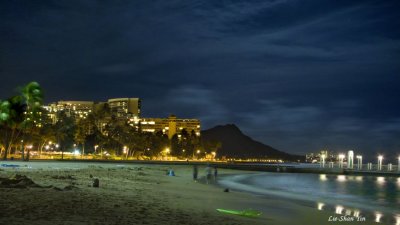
[[247, 212]]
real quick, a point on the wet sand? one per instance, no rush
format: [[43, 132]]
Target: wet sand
[[136, 194]]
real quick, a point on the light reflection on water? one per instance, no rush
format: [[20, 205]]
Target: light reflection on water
[[320, 206], [397, 218], [356, 213], [380, 180], [339, 209], [378, 217], [341, 178]]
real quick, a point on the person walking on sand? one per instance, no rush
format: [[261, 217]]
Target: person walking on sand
[[208, 174], [195, 172], [215, 172]]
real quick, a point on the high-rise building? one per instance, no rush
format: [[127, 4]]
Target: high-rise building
[[169, 126], [124, 108], [75, 109]]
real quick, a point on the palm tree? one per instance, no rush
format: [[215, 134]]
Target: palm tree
[[45, 135], [64, 132], [11, 118], [81, 132], [33, 98]]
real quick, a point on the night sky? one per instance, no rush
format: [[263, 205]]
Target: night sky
[[297, 75]]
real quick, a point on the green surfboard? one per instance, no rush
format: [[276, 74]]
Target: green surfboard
[[247, 212]]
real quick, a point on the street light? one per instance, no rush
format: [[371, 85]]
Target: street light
[[95, 148], [323, 156], [341, 157], [398, 166], [125, 149], [350, 157], [380, 159], [359, 162]]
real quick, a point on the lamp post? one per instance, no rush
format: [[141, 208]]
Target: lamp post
[[359, 162], [350, 159], [95, 148], [398, 165], [125, 149], [167, 151], [341, 157], [323, 156], [380, 159]]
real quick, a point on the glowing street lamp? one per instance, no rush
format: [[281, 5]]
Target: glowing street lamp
[[359, 162], [125, 149], [350, 158], [341, 157], [95, 148], [167, 150], [380, 159], [398, 165], [323, 156]]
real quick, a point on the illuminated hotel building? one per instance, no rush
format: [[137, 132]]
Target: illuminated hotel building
[[169, 126], [75, 109], [124, 108]]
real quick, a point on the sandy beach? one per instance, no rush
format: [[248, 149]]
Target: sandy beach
[[136, 194]]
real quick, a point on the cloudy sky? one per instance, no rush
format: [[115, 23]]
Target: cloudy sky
[[297, 75]]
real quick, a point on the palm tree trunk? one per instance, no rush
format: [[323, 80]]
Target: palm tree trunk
[[9, 145], [28, 155]]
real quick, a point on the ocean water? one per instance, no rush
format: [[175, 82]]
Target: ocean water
[[377, 198]]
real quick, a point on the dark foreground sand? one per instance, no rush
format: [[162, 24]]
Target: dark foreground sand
[[135, 194]]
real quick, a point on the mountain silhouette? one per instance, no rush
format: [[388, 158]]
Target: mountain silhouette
[[235, 144]]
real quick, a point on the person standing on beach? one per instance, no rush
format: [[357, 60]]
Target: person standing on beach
[[195, 172], [215, 172], [208, 174]]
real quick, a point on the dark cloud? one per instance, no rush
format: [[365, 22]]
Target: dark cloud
[[299, 75]]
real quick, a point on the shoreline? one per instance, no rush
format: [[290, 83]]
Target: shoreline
[[140, 194], [241, 166]]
